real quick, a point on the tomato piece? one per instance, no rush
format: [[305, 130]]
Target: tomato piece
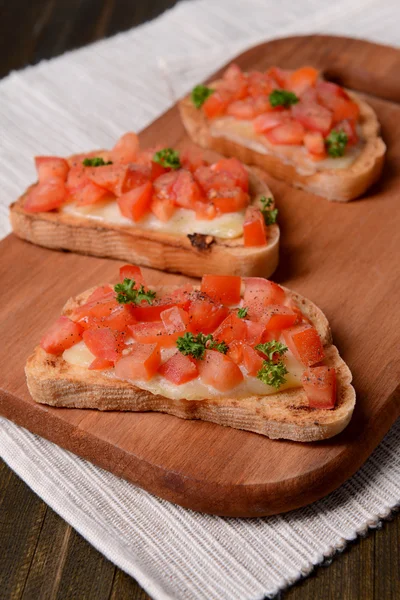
[[118, 319], [157, 170], [99, 293], [349, 127], [229, 199], [254, 228], [135, 204], [164, 185], [205, 315], [179, 369], [236, 171], [153, 333], [143, 362], [251, 360], [101, 307], [235, 82], [119, 178], [146, 312], [216, 104], [174, 319], [301, 79], [192, 159], [90, 194], [205, 211], [260, 84], [278, 317], [63, 334], [320, 387], [222, 288], [76, 178], [209, 179], [132, 272], [99, 364], [219, 370], [104, 342], [268, 121], [126, 149], [328, 93], [51, 168], [281, 76], [315, 144], [45, 196], [235, 351], [162, 208], [290, 133], [185, 190], [304, 342], [259, 293], [313, 117], [254, 332], [242, 109], [232, 328], [345, 109]]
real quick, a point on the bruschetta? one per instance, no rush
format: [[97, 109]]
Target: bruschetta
[[241, 352], [311, 133], [156, 207]]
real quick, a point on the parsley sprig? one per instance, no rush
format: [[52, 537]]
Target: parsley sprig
[[96, 161], [128, 294], [196, 345], [336, 143], [199, 95], [282, 98], [270, 214], [242, 312], [167, 158], [272, 371]]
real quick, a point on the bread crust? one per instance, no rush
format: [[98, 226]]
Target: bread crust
[[167, 252], [51, 380], [340, 185]]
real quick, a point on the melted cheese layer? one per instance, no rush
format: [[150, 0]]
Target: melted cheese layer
[[183, 221], [81, 356]]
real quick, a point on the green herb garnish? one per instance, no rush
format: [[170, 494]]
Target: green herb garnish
[[271, 348], [336, 143], [96, 161], [282, 98], [127, 294], [242, 312], [270, 214], [272, 372], [167, 158], [200, 94], [196, 345]]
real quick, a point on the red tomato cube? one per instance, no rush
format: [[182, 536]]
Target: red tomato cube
[[222, 288], [254, 332], [179, 369], [278, 317], [251, 360], [255, 232], [205, 315], [99, 364], [301, 79], [162, 208], [268, 121], [320, 387], [143, 362], [90, 194], [290, 133], [215, 105], [229, 200], [51, 168], [304, 342], [126, 149], [45, 196], [235, 169], [63, 334], [313, 117], [259, 293], [132, 272], [315, 143], [232, 328], [235, 352], [135, 204], [185, 190], [104, 343], [153, 332], [219, 371], [174, 319]]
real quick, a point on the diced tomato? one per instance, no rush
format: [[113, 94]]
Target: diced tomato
[[192, 159], [131, 272], [301, 79], [126, 149], [45, 196], [235, 351], [232, 328], [320, 387], [164, 185], [281, 76], [153, 333], [90, 194], [133, 177], [157, 170], [205, 211], [185, 189], [345, 109], [313, 117], [349, 127], [260, 84], [310, 96], [278, 317], [99, 293], [77, 178], [119, 178], [143, 362], [179, 369], [146, 312], [259, 293], [135, 204], [254, 228], [242, 109], [162, 208], [220, 371], [63, 334], [254, 332], [99, 308], [104, 343], [99, 364], [209, 179], [222, 288], [216, 104], [236, 171], [229, 199], [233, 73], [251, 360], [268, 121], [290, 133], [314, 143], [205, 315], [304, 342], [51, 168], [328, 93], [174, 319], [119, 319]]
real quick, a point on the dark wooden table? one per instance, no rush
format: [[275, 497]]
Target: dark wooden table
[[41, 556]]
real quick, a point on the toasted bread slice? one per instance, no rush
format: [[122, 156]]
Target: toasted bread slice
[[334, 184], [51, 380], [191, 255]]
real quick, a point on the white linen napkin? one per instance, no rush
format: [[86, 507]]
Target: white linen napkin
[[86, 99]]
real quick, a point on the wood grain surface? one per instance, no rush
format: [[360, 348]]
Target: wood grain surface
[[350, 578]]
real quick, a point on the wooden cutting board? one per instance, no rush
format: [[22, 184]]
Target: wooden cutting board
[[344, 257]]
